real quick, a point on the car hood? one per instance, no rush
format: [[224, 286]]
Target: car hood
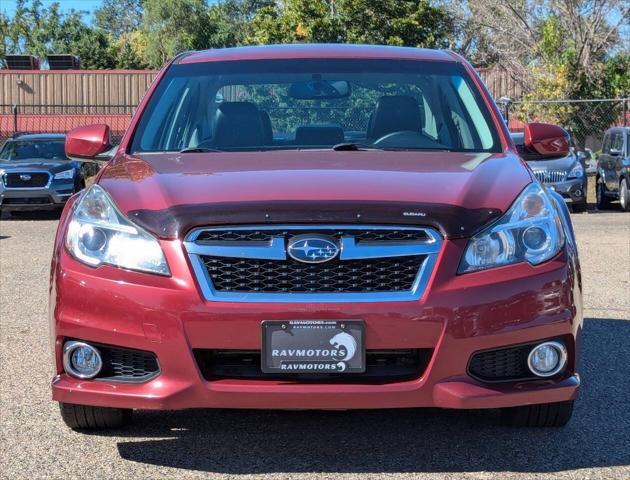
[[458, 193], [37, 164], [556, 164]]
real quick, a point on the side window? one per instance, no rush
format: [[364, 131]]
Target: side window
[[616, 144], [479, 126], [606, 144]]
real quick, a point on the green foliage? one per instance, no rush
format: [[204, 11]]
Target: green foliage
[[387, 22], [552, 45], [4, 33], [119, 17], [173, 26], [147, 33], [39, 31], [396, 22]]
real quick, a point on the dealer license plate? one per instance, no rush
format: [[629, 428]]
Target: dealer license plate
[[313, 346]]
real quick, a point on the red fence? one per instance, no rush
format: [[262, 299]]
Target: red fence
[[61, 119]]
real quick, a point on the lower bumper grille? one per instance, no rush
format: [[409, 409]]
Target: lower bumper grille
[[127, 365], [288, 276], [27, 201], [502, 365], [382, 366]]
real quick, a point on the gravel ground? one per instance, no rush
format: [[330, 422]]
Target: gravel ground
[[360, 444]]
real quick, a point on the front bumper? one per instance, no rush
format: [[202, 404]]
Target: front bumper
[[457, 316], [572, 191], [51, 197]]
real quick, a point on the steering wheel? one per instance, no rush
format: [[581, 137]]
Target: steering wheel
[[401, 138]]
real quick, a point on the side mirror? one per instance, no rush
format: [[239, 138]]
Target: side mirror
[[89, 144], [543, 140]]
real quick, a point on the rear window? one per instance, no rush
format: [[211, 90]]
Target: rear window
[[298, 104]]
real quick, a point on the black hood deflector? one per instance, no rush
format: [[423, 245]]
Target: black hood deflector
[[451, 221]]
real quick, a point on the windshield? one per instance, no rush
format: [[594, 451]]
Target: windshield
[[300, 104], [30, 149]]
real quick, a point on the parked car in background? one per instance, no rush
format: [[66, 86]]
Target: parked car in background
[[613, 169], [589, 162], [344, 227], [565, 175], [36, 174]]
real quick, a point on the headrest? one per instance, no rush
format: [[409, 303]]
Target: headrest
[[394, 113], [238, 124], [319, 135], [265, 121]]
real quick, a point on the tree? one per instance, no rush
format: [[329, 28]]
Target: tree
[[415, 23], [4, 33], [521, 35], [173, 26], [119, 17], [39, 31]]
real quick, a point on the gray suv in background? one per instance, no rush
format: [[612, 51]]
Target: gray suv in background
[[613, 169], [35, 173], [565, 175]]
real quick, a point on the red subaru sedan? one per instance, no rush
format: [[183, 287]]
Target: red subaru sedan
[[315, 227]]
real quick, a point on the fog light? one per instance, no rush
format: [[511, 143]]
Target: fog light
[[577, 193], [81, 360], [547, 359]]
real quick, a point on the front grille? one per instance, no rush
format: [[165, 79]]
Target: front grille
[[392, 274], [26, 201], [26, 179], [501, 365], [382, 366], [127, 365], [262, 235], [372, 262], [550, 176]]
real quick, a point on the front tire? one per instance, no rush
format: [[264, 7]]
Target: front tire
[[542, 415], [624, 195], [85, 417], [603, 202]]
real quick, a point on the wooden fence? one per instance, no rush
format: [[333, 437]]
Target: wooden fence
[[126, 87], [74, 87]]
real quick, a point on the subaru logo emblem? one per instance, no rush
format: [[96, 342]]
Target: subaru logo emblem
[[312, 248], [25, 177]]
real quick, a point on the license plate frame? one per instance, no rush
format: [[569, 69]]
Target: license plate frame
[[313, 347]]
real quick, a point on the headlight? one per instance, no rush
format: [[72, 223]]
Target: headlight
[[530, 231], [576, 172], [65, 175], [99, 234]]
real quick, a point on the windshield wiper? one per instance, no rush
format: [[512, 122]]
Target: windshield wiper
[[353, 147], [199, 150]]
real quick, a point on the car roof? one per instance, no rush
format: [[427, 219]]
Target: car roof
[[321, 50], [39, 136]]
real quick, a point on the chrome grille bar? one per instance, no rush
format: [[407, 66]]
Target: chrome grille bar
[[550, 176]]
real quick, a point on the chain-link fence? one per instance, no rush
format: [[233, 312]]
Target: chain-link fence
[[587, 120], [16, 119]]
